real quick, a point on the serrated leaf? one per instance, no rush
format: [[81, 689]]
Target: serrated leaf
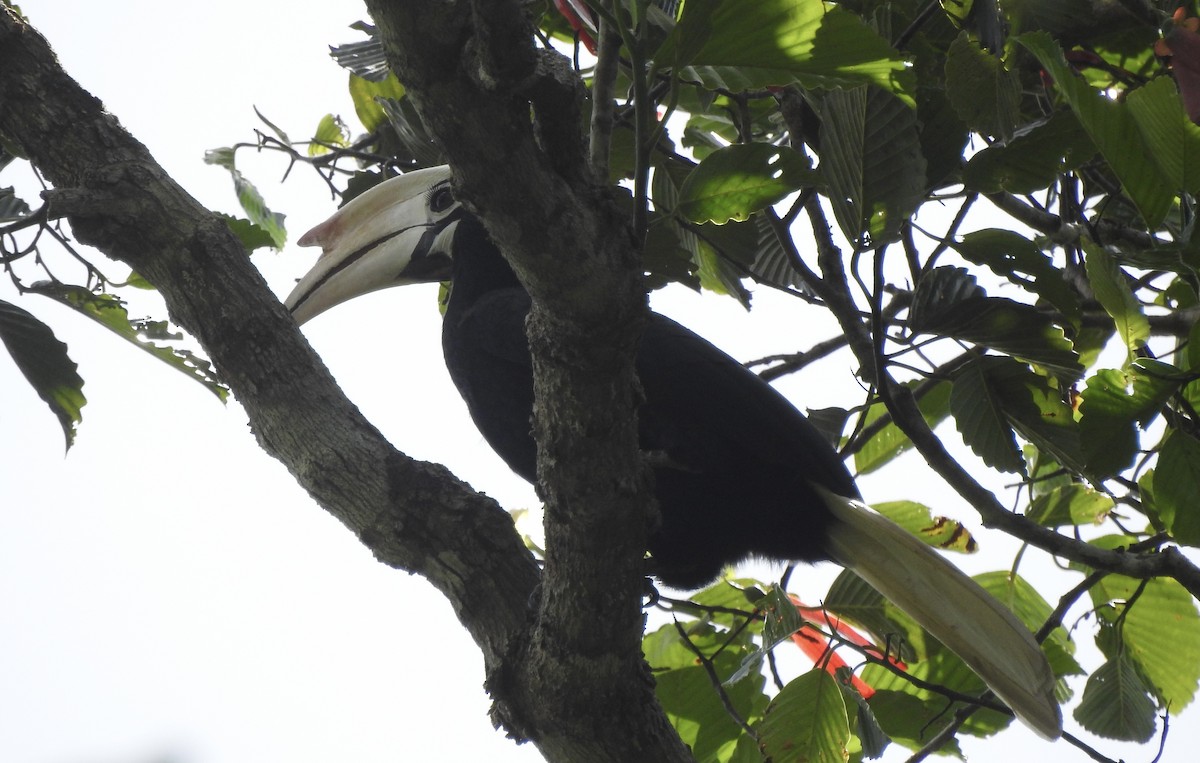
[[985, 94], [43, 361], [1112, 128], [1032, 160], [1177, 485], [780, 42], [1115, 703], [331, 131], [1071, 504], [1113, 292], [252, 236], [871, 158], [691, 31], [1114, 403], [772, 262], [1172, 138], [948, 303], [735, 182], [806, 722], [1030, 405], [110, 312], [981, 420], [715, 257], [365, 58], [1162, 635], [1016, 258]]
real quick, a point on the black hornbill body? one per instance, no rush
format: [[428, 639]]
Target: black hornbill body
[[739, 472]]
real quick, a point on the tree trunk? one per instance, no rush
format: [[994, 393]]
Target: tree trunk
[[562, 652]]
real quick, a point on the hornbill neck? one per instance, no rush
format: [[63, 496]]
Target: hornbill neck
[[478, 266]]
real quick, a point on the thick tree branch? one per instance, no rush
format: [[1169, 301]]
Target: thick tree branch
[[412, 515], [509, 118], [576, 683]]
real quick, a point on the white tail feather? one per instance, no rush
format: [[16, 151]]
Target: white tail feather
[[955, 609]]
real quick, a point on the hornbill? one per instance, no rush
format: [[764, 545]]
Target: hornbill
[[738, 471]]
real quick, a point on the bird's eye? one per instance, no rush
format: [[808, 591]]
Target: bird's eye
[[441, 199]]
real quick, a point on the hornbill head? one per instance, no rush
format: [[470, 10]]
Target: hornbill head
[[397, 233]]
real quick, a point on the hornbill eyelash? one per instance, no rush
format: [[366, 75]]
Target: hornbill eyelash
[[440, 198]]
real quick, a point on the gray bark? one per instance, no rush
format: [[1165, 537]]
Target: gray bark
[[562, 650]]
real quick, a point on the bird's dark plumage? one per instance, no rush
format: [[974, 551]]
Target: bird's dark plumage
[[734, 460], [738, 471]]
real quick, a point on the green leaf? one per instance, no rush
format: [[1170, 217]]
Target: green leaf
[[871, 157], [331, 131], [252, 236], [948, 303], [854, 599], [980, 418], [1030, 405], [1172, 138], [364, 93], [1155, 624], [1112, 290], [871, 736], [44, 362], [691, 32], [939, 532], [1016, 593], [806, 721], [735, 182], [1072, 504], [780, 42], [110, 312], [665, 649], [1016, 258], [1112, 128], [1162, 635], [279, 133], [1176, 486], [1032, 160], [1115, 703], [688, 695], [985, 94], [249, 197], [1032, 610], [889, 441], [907, 719], [781, 619], [715, 257], [1114, 404]]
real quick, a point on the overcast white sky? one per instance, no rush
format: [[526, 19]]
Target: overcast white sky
[[166, 591]]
